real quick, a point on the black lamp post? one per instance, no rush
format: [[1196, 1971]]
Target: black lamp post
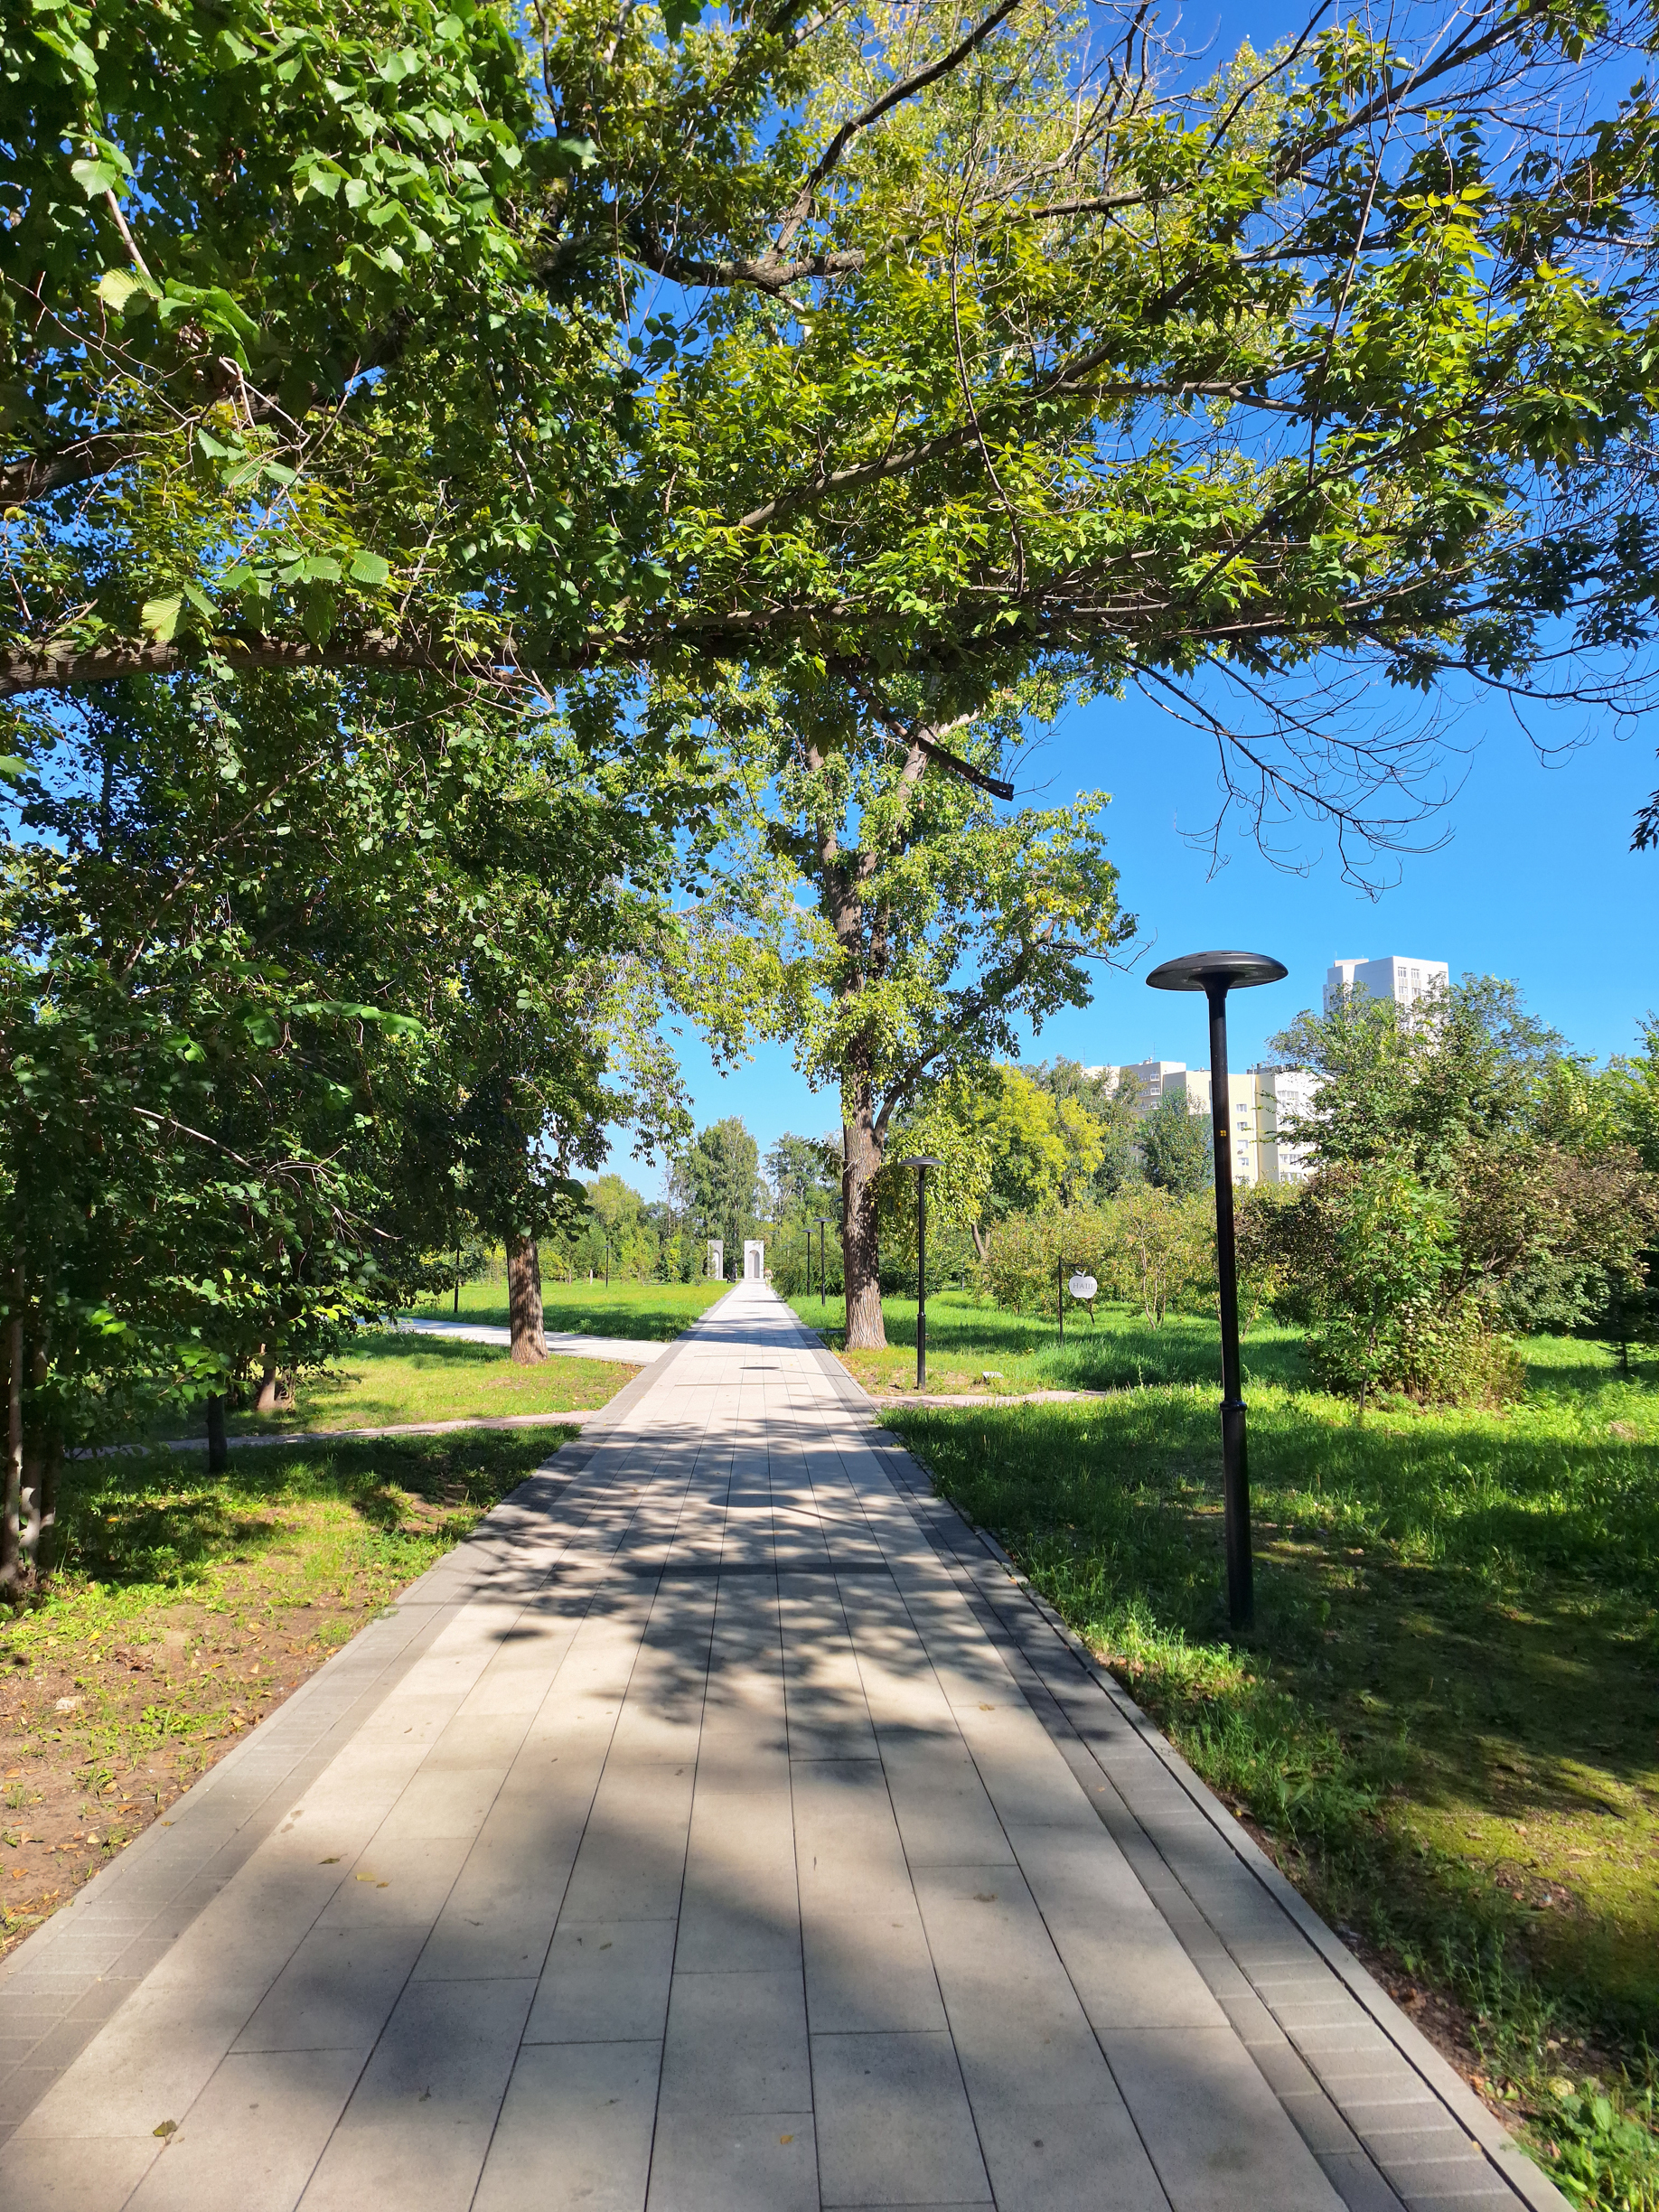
[[823, 1223], [921, 1162], [1215, 974]]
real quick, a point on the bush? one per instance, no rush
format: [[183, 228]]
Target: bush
[[1147, 1248], [1437, 1350], [1368, 1256], [1025, 1253]]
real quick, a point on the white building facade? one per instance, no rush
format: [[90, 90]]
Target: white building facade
[[1398, 976]]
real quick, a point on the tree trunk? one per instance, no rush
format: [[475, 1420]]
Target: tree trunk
[[981, 1241], [266, 1402], [860, 1236], [39, 1447], [11, 1496], [530, 1342], [218, 1449]]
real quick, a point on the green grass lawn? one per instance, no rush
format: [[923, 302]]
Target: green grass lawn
[[187, 1605], [658, 1311], [1118, 1350], [380, 1382], [1446, 1723]]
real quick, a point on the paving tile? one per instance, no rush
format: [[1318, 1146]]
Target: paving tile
[[575, 2131], [336, 1991], [604, 1982], [1217, 2135], [870, 1972], [734, 2163], [1359, 2185], [631, 1862], [89, 2174], [396, 1880], [499, 1913], [1019, 2032], [1047, 2157], [893, 2124], [22, 2090], [418, 2124], [849, 1858], [736, 2043], [740, 1907], [250, 2142], [1129, 1970]]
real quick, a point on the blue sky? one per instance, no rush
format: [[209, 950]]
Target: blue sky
[[1536, 882]]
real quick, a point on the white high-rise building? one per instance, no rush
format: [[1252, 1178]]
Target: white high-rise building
[[1394, 976]]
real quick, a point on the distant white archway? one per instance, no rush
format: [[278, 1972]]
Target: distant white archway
[[754, 1260]]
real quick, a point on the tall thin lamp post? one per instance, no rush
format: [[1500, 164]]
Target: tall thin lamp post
[[1215, 974], [823, 1223], [921, 1162]]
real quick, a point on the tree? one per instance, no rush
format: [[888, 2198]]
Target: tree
[[720, 1172], [982, 342], [1176, 1147], [1163, 1244], [1630, 1094], [1486, 1110], [1110, 1107], [934, 926], [280, 963], [1009, 1144], [1381, 1288]]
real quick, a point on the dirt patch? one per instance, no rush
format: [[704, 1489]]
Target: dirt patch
[[96, 1742], [188, 1607]]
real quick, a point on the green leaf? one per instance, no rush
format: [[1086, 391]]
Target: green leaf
[[567, 155], [95, 178], [12, 769], [160, 617], [116, 289], [679, 16], [369, 568]]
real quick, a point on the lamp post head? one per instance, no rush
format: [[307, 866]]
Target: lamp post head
[[1211, 971], [920, 1159]]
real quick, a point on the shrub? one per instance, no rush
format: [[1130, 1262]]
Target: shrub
[[1148, 1248]]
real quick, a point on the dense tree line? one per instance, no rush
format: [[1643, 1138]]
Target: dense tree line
[[304, 984]]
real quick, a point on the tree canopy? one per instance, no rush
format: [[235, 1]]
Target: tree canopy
[[381, 336]]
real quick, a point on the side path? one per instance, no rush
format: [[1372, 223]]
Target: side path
[[728, 1831]]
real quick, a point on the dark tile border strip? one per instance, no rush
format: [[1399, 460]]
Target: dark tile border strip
[[1176, 1860]]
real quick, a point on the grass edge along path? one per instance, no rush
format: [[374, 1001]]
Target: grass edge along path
[[190, 1605], [1442, 1729]]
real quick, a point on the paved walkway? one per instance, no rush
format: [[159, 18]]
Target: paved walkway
[[632, 1351], [721, 1829]]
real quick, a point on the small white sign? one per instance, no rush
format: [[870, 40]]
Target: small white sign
[[1082, 1287]]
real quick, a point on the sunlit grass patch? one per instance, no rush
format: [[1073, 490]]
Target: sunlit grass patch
[[1116, 1349], [383, 1381]]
